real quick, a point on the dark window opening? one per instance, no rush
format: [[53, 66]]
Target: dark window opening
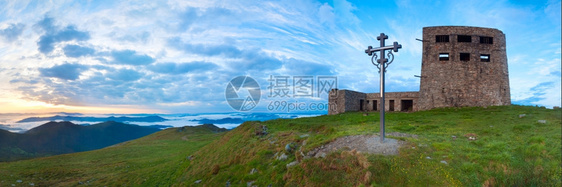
[[391, 105], [375, 105], [464, 38], [360, 104], [484, 58], [441, 38], [443, 56], [407, 105], [486, 40], [465, 56]]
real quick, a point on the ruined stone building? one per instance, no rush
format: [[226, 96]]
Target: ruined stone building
[[461, 66]]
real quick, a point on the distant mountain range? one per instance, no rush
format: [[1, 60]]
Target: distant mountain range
[[94, 119], [219, 121], [55, 138]]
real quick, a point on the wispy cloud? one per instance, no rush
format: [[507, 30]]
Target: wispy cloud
[[12, 32], [179, 55]]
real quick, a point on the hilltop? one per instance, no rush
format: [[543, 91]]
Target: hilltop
[[504, 145], [55, 138]]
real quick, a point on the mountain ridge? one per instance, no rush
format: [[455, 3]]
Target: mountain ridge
[[153, 118], [55, 138]]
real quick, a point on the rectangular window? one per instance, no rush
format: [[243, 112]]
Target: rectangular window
[[443, 56], [464, 38], [465, 56], [441, 38], [484, 58], [486, 40]]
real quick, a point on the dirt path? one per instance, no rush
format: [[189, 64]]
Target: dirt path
[[363, 143]]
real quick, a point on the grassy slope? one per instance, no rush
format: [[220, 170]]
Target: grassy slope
[[509, 150], [152, 160]]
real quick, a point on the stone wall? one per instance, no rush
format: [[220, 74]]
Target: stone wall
[[461, 66], [399, 98], [346, 100], [468, 82]]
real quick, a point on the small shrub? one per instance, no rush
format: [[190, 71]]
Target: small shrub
[[215, 169]]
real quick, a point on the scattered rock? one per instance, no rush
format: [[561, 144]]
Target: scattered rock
[[454, 137], [471, 136], [283, 156], [198, 181], [304, 135], [249, 184], [444, 162], [13, 185], [322, 155], [190, 157], [365, 114], [262, 131], [428, 158], [19, 181], [31, 184], [542, 121], [522, 115], [290, 147], [228, 183], [254, 170], [292, 164]]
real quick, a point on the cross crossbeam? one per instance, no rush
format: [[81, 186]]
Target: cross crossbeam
[[381, 64]]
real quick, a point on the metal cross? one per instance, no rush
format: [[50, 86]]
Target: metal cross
[[382, 63]]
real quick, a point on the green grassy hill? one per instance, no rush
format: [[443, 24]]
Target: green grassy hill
[[54, 138], [508, 150]]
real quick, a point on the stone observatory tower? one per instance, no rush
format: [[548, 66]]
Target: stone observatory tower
[[463, 66]]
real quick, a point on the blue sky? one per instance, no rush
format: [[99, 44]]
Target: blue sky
[[178, 56]]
